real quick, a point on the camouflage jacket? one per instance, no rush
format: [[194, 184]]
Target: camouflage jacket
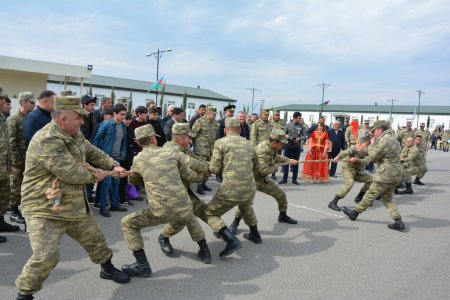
[[205, 136], [410, 157], [385, 153], [5, 154], [359, 166], [349, 138], [236, 160], [52, 154], [16, 140], [426, 138], [267, 158], [422, 160], [403, 135], [163, 174], [280, 124], [390, 132], [260, 132]]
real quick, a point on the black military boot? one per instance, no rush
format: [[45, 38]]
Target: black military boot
[[284, 218], [233, 243], [200, 189], [2, 239], [203, 253], [351, 213], [5, 227], [234, 225], [16, 216], [253, 235], [333, 204], [109, 272], [397, 225], [401, 185], [274, 177], [417, 181], [24, 297], [140, 268], [166, 247], [205, 187], [408, 190], [359, 197]]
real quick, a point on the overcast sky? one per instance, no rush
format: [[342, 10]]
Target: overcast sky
[[372, 50]]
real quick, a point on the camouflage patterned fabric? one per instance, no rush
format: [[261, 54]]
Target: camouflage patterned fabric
[[349, 137], [385, 153], [205, 136], [5, 165], [236, 160], [426, 139], [260, 132], [354, 172], [280, 124], [403, 135], [422, 168], [163, 173], [410, 159]]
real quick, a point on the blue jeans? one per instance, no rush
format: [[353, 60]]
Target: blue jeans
[[292, 153], [106, 184]]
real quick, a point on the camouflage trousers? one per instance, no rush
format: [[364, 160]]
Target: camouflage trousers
[[349, 180], [386, 190], [219, 206], [133, 223], [45, 235], [207, 159], [173, 228], [421, 171], [16, 178], [5, 195], [407, 174]]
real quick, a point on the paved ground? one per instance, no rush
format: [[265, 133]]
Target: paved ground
[[325, 256]]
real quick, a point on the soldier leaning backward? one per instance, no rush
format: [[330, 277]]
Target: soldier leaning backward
[[56, 152]]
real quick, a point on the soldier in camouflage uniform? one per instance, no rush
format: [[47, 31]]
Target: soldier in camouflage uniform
[[422, 167], [426, 137], [269, 160], [261, 129], [163, 174], [390, 131], [204, 130], [350, 138], [236, 160], [57, 153], [410, 160], [444, 141], [5, 169], [18, 152], [353, 170], [181, 138], [385, 152], [404, 134], [277, 123]]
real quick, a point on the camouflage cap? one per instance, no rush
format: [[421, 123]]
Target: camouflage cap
[[144, 131], [121, 101], [265, 111], [408, 123], [181, 129], [354, 118], [69, 102], [27, 96], [232, 122], [279, 136], [366, 122], [211, 109], [422, 124], [277, 111], [378, 124]]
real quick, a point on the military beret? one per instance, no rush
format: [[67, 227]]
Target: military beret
[[232, 122], [211, 109], [378, 124], [265, 111], [69, 102], [279, 136], [144, 131], [408, 123], [422, 124], [229, 107], [181, 128], [27, 96], [86, 99]]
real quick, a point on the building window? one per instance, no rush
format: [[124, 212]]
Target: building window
[[191, 106], [432, 123], [99, 99]]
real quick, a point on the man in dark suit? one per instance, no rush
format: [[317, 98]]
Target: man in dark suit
[[245, 129], [177, 117], [337, 137]]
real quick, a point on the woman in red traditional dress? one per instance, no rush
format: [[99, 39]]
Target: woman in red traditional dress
[[319, 145]]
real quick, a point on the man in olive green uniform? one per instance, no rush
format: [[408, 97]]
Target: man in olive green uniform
[[422, 168], [385, 152], [5, 169], [204, 135], [236, 160], [410, 160], [261, 129], [269, 160], [55, 159], [277, 123], [444, 140], [353, 170], [404, 134], [181, 139], [163, 173], [390, 130], [350, 138], [426, 138], [364, 130], [18, 152]]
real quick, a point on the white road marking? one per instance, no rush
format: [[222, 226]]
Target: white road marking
[[323, 212]]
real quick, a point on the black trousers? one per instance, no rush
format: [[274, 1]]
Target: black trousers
[[333, 166]]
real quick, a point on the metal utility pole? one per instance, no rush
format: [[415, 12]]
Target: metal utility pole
[[392, 105], [323, 85], [157, 55], [420, 92], [253, 95]]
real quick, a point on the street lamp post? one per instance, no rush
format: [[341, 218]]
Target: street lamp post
[[420, 92], [323, 85], [158, 55], [392, 106], [253, 95]]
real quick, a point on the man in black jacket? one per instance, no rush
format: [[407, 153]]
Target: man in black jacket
[[337, 137]]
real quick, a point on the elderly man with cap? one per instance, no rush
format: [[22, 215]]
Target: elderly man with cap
[[204, 136], [163, 174], [385, 152], [268, 161], [426, 138], [18, 152], [39, 117], [261, 129], [54, 199], [404, 134], [181, 139], [236, 160]]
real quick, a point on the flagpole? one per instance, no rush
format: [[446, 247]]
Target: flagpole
[[157, 55], [420, 92], [323, 85]]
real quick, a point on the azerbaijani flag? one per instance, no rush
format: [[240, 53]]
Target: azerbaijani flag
[[326, 102], [156, 85]]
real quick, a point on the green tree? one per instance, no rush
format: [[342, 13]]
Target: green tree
[[130, 101], [285, 115], [90, 90], [113, 96], [184, 104], [163, 91]]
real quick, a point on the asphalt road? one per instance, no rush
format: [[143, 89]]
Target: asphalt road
[[324, 256]]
